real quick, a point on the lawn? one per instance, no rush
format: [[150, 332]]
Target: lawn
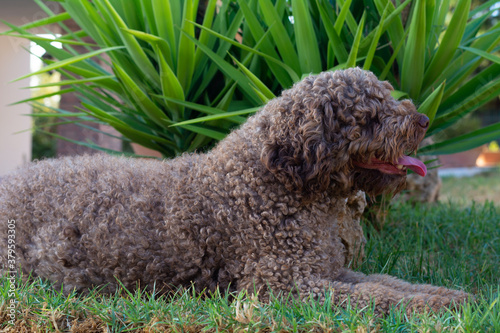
[[480, 188], [457, 246]]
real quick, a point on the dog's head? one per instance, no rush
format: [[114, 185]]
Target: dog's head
[[343, 131]]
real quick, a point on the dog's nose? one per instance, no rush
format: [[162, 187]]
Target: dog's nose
[[423, 121]]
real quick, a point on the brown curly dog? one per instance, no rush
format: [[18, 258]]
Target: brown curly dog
[[257, 211]]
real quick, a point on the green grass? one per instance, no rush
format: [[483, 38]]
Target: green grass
[[480, 188], [440, 244]]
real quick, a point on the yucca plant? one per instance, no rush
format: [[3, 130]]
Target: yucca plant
[[435, 63], [150, 48], [169, 70]]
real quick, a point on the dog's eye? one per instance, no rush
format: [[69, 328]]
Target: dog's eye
[[410, 152], [373, 122]]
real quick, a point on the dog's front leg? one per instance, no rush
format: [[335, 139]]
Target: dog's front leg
[[387, 292], [395, 283]]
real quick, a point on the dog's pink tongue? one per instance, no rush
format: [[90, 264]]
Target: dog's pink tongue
[[413, 164]]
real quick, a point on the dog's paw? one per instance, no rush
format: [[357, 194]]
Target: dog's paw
[[426, 302]]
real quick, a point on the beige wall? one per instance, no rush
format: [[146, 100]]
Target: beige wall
[[15, 149]]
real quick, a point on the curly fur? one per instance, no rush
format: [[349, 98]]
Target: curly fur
[[256, 211]]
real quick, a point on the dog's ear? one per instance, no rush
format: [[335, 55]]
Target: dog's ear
[[299, 152]]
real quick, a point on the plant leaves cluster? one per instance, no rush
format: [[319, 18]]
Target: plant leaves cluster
[[175, 75]]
